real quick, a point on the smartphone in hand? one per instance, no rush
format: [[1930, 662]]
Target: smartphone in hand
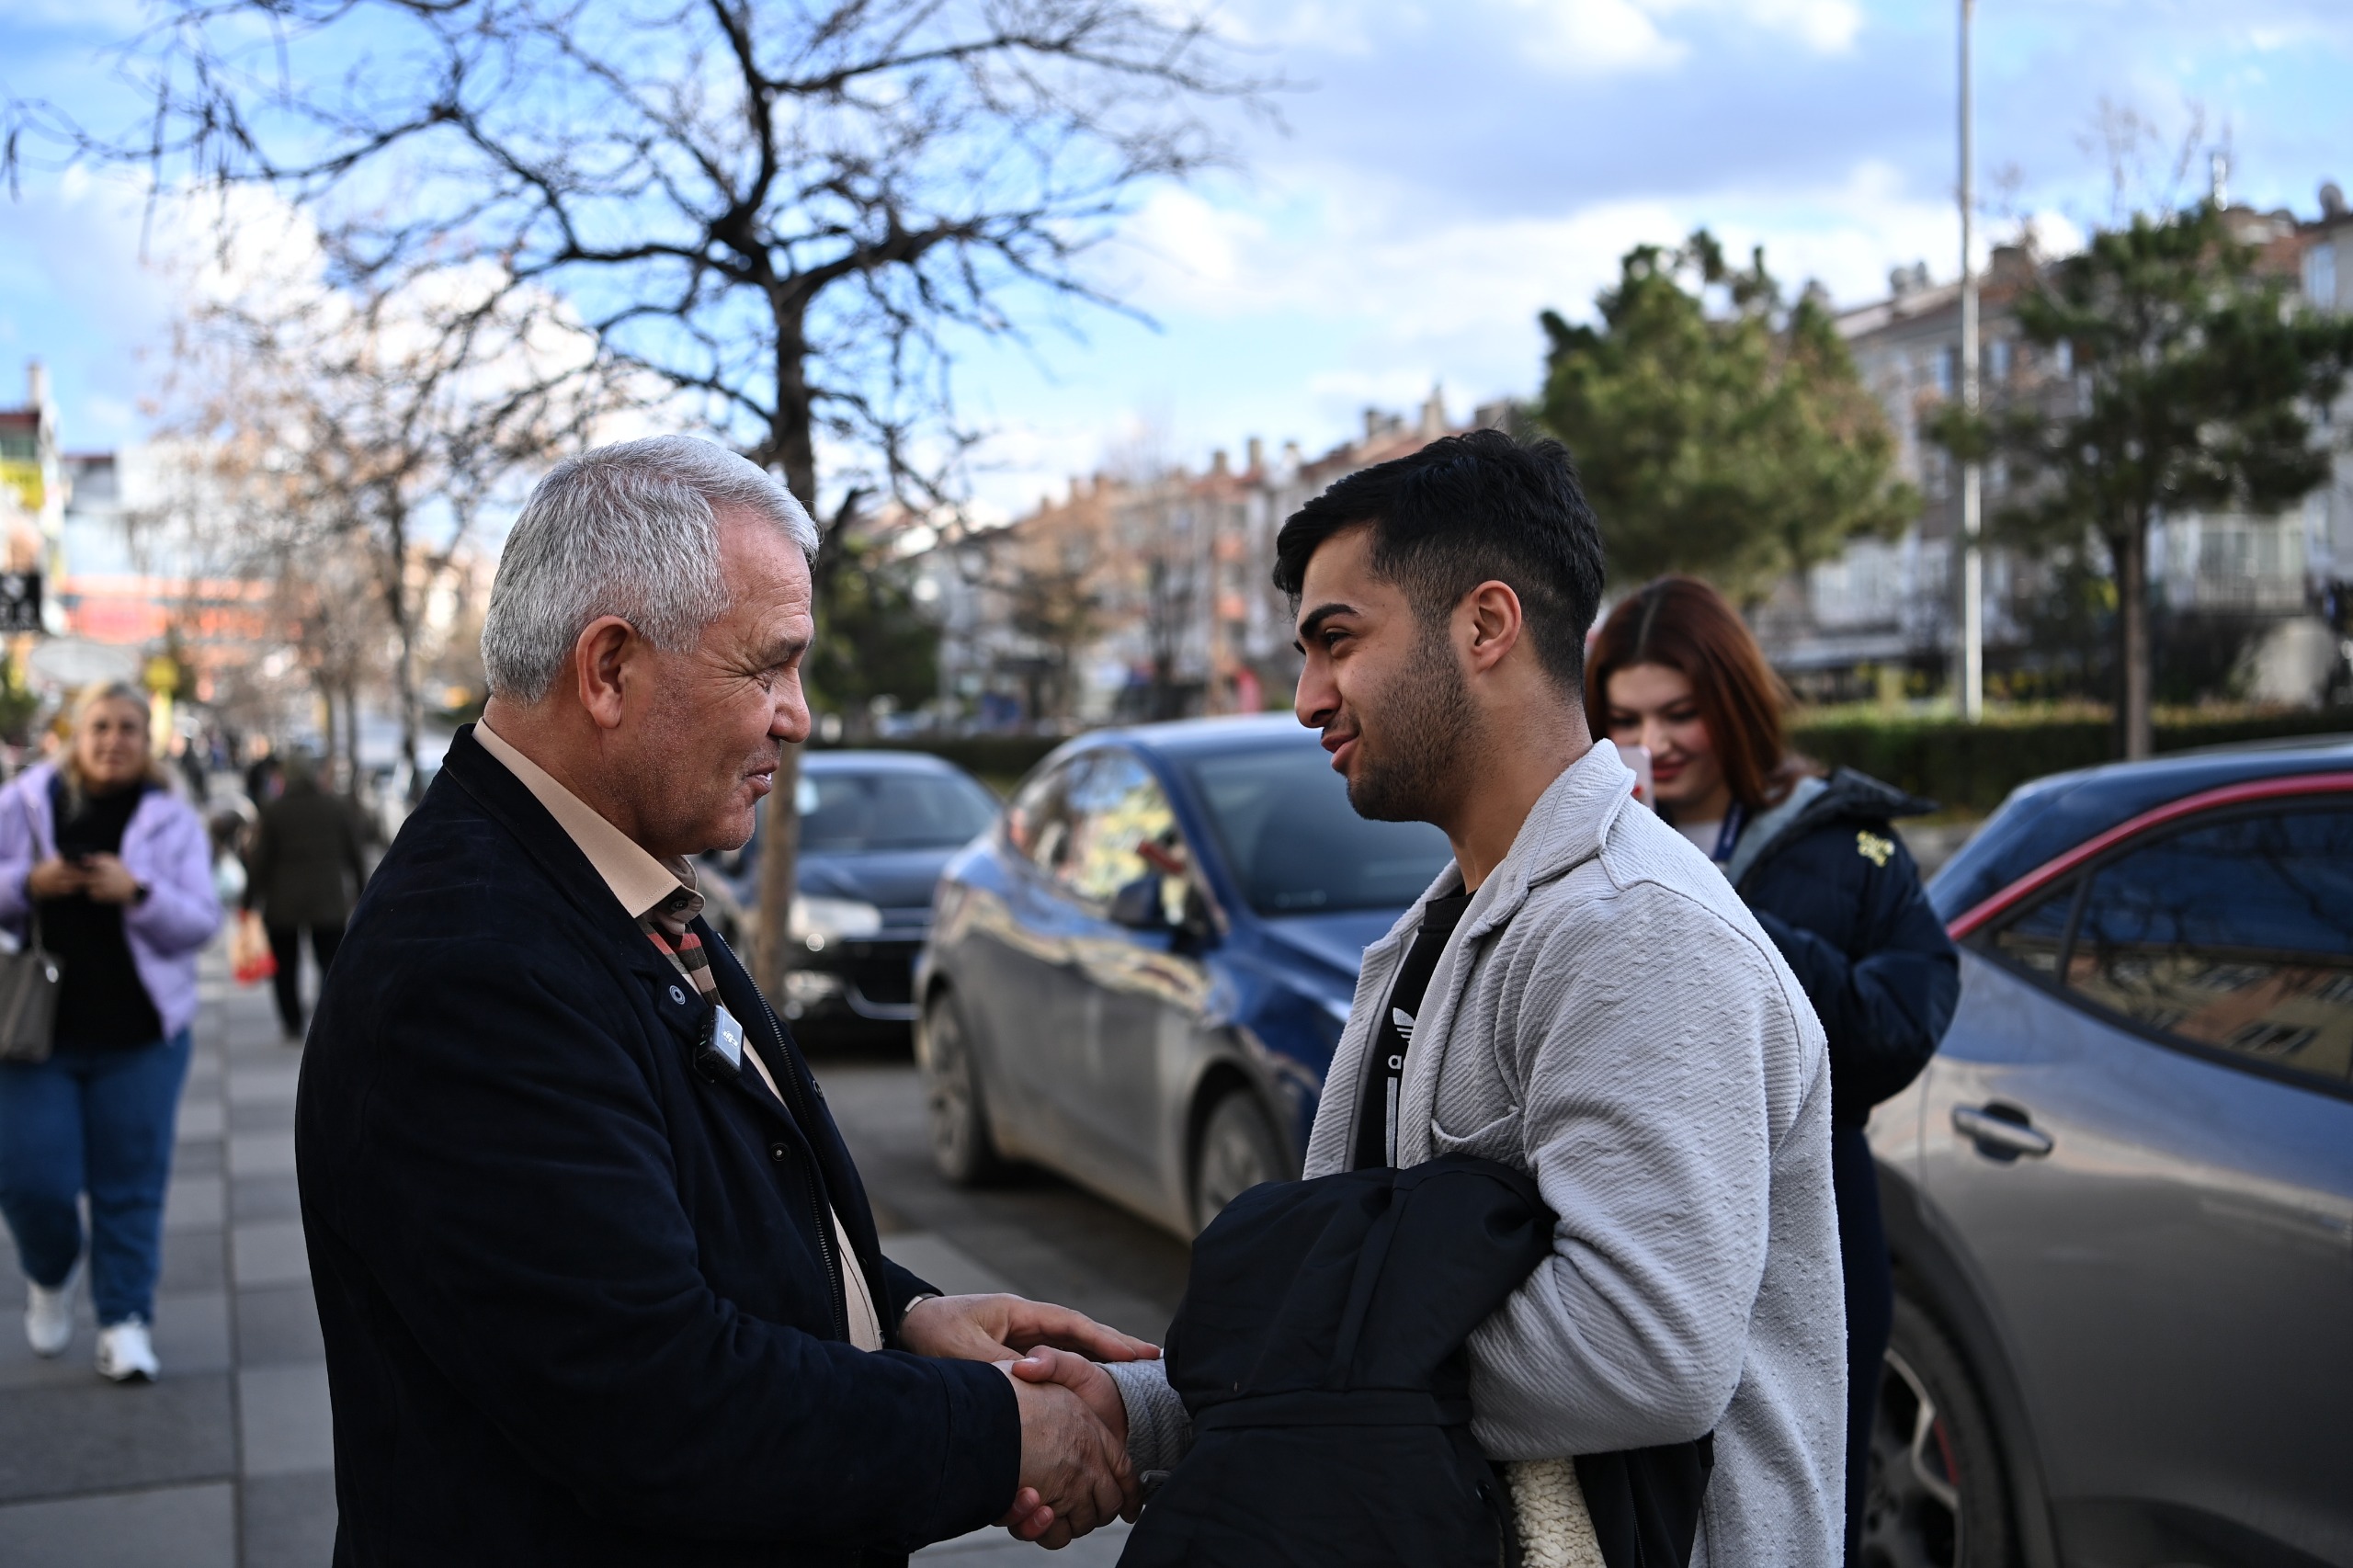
[[1638, 757]]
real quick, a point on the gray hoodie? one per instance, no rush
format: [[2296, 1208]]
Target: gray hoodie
[[1609, 1018]]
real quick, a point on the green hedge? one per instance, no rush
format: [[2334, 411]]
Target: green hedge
[[1970, 767], [1965, 768], [988, 756]]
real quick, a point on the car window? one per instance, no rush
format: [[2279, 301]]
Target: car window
[[1038, 822], [845, 812], [2235, 935], [2032, 936], [1298, 848], [1117, 812]]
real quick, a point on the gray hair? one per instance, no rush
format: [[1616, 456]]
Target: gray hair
[[630, 530]]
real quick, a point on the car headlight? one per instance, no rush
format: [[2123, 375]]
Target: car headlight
[[816, 921]]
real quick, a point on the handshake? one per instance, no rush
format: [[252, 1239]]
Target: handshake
[[1074, 1474]]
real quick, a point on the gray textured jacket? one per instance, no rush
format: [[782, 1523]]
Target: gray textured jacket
[[1609, 1018]]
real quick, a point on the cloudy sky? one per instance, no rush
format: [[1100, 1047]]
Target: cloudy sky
[[1446, 170]]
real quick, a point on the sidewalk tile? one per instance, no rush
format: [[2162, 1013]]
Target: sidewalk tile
[[193, 1260], [264, 1198], [278, 1325], [273, 1117], [186, 1526], [195, 1203], [286, 1419], [55, 1441], [269, 1253], [261, 1153], [941, 1262], [290, 1520], [265, 1083], [199, 1119]]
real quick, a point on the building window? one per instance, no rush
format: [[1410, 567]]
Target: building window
[[1945, 366], [2320, 275], [1998, 360]]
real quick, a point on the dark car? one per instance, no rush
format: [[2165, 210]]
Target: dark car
[[1139, 977], [875, 827], [2120, 1198]]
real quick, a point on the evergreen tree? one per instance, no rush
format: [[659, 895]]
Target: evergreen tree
[[2186, 380], [1737, 446]]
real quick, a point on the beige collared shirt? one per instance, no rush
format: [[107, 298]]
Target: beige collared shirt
[[644, 883]]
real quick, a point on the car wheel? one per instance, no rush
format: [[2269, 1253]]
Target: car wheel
[[961, 1147], [1936, 1496], [1238, 1151]]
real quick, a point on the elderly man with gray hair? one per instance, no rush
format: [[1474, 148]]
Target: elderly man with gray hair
[[598, 1278]]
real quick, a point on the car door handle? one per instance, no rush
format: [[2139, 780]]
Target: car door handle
[[2000, 1130]]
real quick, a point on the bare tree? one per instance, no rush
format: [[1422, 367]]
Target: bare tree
[[352, 438], [792, 212]]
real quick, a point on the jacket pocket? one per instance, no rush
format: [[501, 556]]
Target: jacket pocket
[[1497, 1140]]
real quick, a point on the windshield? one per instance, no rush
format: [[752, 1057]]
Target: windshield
[[847, 813], [1298, 848]]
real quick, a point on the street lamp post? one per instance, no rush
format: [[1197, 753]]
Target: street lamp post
[[1972, 565]]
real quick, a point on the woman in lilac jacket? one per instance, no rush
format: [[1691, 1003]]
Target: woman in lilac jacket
[[117, 869]]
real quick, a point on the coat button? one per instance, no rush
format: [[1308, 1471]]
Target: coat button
[[779, 1151], [678, 996]]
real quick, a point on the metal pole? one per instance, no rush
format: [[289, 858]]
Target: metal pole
[[1972, 565]]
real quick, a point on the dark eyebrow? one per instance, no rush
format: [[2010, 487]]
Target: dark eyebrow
[[1312, 622]]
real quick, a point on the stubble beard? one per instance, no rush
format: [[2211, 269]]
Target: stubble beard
[[1426, 723]]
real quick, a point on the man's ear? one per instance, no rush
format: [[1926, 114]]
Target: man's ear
[[1493, 610], [603, 652]]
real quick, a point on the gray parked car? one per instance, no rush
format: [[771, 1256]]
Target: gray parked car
[[2120, 1198]]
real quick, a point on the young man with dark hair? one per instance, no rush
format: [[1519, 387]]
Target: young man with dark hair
[[1580, 996]]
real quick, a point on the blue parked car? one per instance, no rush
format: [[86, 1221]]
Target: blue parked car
[[1138, 978]]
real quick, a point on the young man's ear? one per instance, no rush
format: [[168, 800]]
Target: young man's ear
[[1493, 611]]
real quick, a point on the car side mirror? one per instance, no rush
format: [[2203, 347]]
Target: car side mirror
[[1137, 906]]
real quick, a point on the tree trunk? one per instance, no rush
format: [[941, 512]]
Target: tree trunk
[[2134, 674], [396, 606], [351, 737], [791, 447]]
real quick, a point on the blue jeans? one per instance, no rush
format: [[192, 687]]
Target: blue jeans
[[101, 1122]]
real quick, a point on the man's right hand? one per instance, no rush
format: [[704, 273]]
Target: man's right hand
[[1071, 1463]]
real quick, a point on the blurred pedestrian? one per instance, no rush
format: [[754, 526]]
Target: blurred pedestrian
[[305, 869], [1675, 669], [116, 868]]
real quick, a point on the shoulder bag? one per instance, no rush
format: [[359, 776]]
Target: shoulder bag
[[29, 980]]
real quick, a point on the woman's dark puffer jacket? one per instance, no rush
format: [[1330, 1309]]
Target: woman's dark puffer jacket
[[1838, 894]]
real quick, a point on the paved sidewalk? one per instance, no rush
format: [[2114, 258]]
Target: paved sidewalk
[[227, 1461]]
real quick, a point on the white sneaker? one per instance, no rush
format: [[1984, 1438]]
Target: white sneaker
[[48, 1315], [125, 1353]]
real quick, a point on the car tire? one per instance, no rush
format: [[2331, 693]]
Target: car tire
[[1937, 1497], [962, 1149], [1237, 1150]]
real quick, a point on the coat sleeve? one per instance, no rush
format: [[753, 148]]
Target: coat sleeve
[[181, 911], [500, 1163], [259, 858], [1643, 1040], [1886, 1008], [18, 853]]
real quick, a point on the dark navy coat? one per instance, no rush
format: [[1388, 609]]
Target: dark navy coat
[[1838, 894], [580, 1297]]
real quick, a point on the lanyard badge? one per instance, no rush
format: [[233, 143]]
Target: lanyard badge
[[722, 1040]]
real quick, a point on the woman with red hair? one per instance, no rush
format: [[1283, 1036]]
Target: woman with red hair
[[1674, 668]]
